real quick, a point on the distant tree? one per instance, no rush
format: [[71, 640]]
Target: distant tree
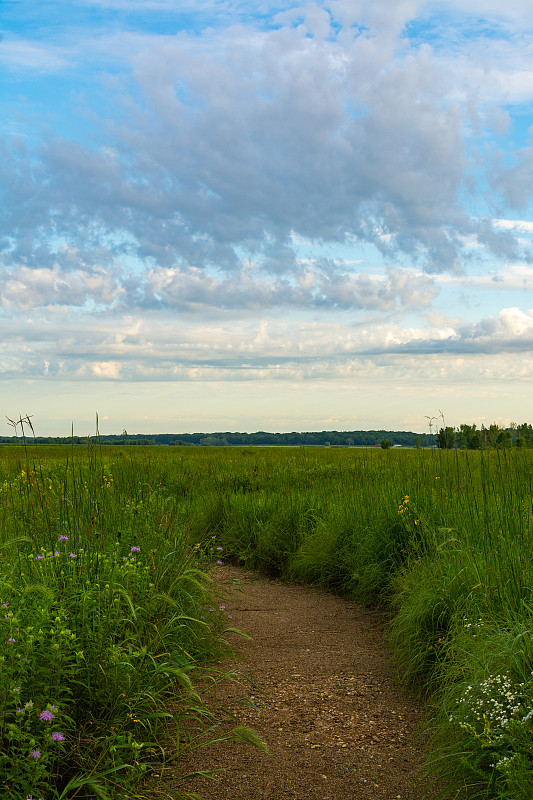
[[489, 436], [386, 444], [526, 432], [446, 438], [213, 441], [503, 439], [463, 435], [475, 441]]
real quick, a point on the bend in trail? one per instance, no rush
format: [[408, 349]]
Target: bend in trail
[[335, 721]]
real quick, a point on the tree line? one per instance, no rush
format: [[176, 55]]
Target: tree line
[[471, 437], [371, 438], [465, 436]]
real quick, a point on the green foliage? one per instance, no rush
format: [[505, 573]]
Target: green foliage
[[105, 618], [443, 537], [470, 438], [439, 535], [482, 725]]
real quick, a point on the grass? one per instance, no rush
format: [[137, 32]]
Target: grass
[[105, 633], [107, 617]]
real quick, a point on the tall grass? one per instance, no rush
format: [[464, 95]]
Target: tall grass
[[442, 538], [106, 617]]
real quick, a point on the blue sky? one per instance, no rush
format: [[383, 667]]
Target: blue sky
[[256, 215]]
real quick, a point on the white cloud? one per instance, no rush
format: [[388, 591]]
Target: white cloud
[[162, 348], [515, 225], [24, 288], [109, 370], [28, 55]]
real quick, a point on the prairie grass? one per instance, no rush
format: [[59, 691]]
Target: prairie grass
[[107, 618], [444, 540], [105, 635]]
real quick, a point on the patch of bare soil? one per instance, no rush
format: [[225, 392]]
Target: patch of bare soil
[[327, 705]]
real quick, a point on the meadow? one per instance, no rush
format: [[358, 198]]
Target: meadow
[[110, 618]]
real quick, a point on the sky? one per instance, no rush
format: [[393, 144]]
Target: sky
[[253, 215]]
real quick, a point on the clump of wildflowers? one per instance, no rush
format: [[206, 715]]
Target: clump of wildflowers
[[405, 512], [495, 702], [31, 754], [495, 717]]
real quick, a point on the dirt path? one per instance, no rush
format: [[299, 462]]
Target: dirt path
[[335, 722]]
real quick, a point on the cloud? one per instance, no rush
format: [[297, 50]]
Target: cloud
[[109, 370], [514, 277], [519, 225], [162, 347], [513, 180], [25, 288], [233, 141], [318, 284], [267, 192], [31, 56], [511, 330]]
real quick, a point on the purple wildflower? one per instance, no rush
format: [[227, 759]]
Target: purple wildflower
[[72, 555], [57, 737], [5, 605], [46, 716], [63, 539], [222, 608], [220, 548], [11, 640], [35, 754], [21, 710], [135, 549], [220, 562], [39, 557]]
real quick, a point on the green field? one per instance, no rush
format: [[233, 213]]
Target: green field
[[108, 610]]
